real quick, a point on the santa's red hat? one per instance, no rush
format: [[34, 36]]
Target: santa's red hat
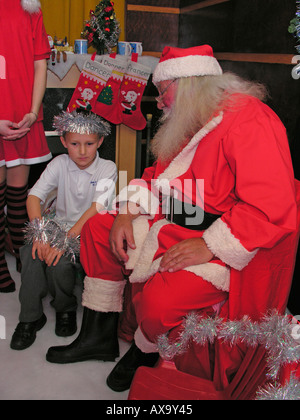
[[186, 62]]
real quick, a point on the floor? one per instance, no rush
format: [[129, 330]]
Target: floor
[[26, 375]]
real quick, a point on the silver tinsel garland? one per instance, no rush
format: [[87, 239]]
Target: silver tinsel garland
[[108, 42], [274, 332], [81, 123], [51, 231], [290, 391]]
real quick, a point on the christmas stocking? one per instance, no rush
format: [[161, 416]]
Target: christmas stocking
[[107, 104], [131, 92], [92, 80]]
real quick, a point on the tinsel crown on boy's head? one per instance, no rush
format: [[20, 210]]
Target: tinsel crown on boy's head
[[81, 122]]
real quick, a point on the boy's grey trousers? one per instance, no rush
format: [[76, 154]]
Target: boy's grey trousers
[[38, 279]]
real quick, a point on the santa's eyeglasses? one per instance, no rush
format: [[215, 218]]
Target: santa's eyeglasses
[[161, 94]]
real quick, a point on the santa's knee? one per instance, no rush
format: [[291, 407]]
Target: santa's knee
[[156, 314]]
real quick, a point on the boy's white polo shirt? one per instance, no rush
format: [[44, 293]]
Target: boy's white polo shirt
[[76, 188]]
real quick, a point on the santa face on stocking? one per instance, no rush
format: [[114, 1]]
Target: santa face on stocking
[[91, 82], [87, 94], [128, 101]]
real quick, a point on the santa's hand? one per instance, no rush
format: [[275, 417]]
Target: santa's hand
[[184, 254], [121, 236]]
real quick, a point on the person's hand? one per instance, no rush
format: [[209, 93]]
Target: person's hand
[[189, 252], [40, 250], [27, 120], [11, 131], [121, 236], [53, 256]]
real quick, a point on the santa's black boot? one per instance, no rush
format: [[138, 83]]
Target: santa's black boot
[[97, 340], [122, 374]]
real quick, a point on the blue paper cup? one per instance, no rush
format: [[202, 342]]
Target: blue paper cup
[[124, 48], [81, 46], [136, 47]]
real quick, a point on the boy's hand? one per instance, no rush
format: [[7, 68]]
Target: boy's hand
[[50, 255], [53, 256], [40, 249]]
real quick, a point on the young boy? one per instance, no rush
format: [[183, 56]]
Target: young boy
[[85, 185]]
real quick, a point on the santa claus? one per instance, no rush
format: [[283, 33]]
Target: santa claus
[[221, 154]]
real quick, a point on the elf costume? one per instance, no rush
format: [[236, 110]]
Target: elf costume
[[23, 40], [249, 207]]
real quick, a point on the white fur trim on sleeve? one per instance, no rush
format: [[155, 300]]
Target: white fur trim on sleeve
[[226, 246], [103, 295]]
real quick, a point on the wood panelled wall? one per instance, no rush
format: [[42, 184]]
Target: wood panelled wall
[[154, 23], [249, 37]]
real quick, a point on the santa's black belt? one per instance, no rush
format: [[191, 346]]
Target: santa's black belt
[[189, 216]]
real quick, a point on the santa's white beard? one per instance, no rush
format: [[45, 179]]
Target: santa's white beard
[[170, 137]]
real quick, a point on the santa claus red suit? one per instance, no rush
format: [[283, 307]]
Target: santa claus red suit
[[253, 215], [235, 182], [243, 160]]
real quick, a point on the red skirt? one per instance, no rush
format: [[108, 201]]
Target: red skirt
[[28, 150]]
